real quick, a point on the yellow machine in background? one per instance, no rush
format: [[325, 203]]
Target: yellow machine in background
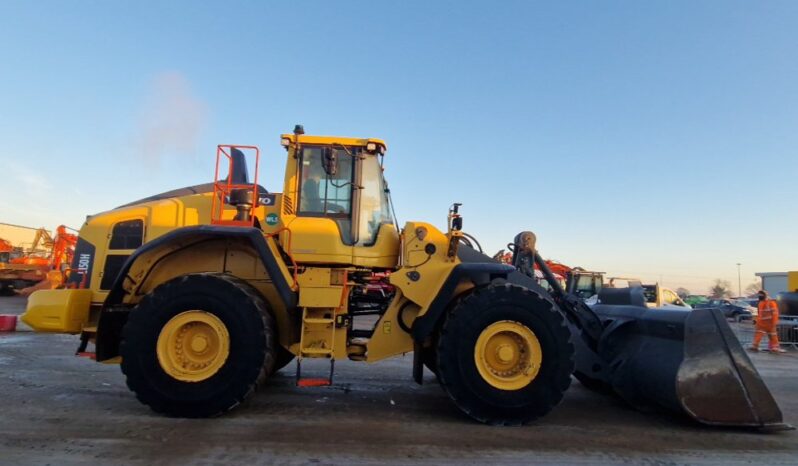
[[203, 292]]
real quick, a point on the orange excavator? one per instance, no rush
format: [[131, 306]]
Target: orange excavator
[[34, 271], [5, 250], [41, 242]]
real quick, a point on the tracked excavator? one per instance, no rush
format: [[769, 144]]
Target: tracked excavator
[[203, 292]]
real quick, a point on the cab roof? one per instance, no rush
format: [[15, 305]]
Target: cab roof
[[326, 140]]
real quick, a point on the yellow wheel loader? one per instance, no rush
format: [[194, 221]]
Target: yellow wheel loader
[[203, 292]]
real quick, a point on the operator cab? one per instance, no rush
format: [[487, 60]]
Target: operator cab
[[338, 206]]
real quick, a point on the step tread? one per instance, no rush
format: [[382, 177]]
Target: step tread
[[318, 320], [313, 382]]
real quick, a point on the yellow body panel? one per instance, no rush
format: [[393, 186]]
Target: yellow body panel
[[413, 297], [432, 269], [320, 297], [792, 281], [317, 240], [317, 290], [383, 254], [389, 339], [60, 311]]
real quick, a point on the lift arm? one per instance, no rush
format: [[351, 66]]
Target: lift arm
[[525, 257]]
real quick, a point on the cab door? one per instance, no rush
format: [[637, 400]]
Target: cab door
[[376, 237], [321, 228]]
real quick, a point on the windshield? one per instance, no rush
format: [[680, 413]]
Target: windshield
[[375, 208]]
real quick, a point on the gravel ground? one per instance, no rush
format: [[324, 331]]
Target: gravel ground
[[61, 410]]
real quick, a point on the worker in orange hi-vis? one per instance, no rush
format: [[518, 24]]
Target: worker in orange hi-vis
[[766, 323]]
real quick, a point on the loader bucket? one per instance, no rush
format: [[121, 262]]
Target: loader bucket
[[689, 362], [716, 374]]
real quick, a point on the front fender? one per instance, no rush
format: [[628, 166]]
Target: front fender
[[478, 273]]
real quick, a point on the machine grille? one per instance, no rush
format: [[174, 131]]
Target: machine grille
[[288, 208]]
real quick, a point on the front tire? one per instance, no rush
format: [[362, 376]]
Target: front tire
[[198, 345], [504, 355]]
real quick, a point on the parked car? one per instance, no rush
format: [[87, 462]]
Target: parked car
[[735, 309], [753, 302], [663, 298], [656, 296], [694, 299]]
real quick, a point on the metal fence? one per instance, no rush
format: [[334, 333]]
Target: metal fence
[[787, 331]]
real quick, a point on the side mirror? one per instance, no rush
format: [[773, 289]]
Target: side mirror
[[329, 160]]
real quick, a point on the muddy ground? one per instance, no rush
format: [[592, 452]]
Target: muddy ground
[[58, 409]]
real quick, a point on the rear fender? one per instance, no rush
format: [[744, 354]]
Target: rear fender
[[243, 252], [155, 251]]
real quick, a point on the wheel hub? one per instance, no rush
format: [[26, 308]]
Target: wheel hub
[[193, 346], [505, 353], [508, 355]]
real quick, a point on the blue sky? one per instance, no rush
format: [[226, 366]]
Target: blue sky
[[655, 139]]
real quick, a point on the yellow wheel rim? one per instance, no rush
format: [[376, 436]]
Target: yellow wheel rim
[[508, 355], [193, 346]]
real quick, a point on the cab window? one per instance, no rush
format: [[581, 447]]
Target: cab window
[[650, 293], [127, 235], [587, 286], [323, 195]]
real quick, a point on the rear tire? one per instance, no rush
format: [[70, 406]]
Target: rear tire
[[496, 401], [247, 357]]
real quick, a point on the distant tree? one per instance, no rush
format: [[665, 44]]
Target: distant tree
[[753, 288], [683, 292], [721, 289]]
